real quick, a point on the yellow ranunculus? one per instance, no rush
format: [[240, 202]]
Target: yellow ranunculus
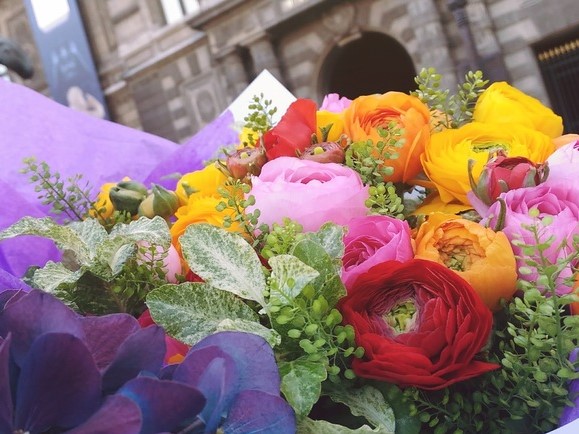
[[502, 103], [367, 113], [103, 204], [479, 255], [445, 161], [325, 118], [248, 137], [433, 204], [204, 182], [199, 209]]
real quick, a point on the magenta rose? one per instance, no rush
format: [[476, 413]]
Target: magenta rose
[[564, 165], [371, 240], [560, 202], [308, 192]]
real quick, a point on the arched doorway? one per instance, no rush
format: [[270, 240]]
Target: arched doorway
[[371, 63]]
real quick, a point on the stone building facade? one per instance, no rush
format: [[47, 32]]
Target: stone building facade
[[171, 75]]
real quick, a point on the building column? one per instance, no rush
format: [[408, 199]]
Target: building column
[[234, 72], [432, 41], [264, 57]]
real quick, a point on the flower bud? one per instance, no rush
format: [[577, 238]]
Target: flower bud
[[246, 161], [127, 196], [502, 173], [325, 152], [161, 202]]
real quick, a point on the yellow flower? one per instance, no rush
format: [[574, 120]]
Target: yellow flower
[[482, 257], [325, 118], [433, 203], [502, 103], [204, 182], [445, 161], [199, 209], [103, 202], [248, 137]]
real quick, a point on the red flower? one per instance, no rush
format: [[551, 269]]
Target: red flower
[[293, 133], [438, 346]]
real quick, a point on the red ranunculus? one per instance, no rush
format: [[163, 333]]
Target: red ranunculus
[[438, 345], [293, 133]]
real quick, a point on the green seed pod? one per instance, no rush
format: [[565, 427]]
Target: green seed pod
[[282, 319], [161, 202], [349, 374], [311, 329], [294, 333]]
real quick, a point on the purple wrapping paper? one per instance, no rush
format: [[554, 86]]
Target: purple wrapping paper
[[71, 143]]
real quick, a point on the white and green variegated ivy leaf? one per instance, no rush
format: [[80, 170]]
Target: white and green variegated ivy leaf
[[288, 277], [301, 384], [224, 260], [91, 232], [310, 426], [121, 256], [366, 401], [239, 325], [53, 275], [65, 237], [331, 237], [192, 311]]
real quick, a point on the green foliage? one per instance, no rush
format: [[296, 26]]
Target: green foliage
[[260, 119], [370, 159], [281, 238], [450, 110], [66, 197], [384, 200], [533, 337]]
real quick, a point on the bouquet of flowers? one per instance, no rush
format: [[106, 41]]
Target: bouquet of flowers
[[390, 264]]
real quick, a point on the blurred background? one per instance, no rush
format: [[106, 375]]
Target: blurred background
[[169, 67]]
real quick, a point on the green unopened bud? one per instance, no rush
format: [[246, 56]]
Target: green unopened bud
[[161, 202], [127, 196]]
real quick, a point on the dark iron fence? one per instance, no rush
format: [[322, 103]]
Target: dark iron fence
[[559, 66]]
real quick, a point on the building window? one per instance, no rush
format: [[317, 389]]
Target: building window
[[175, 10]]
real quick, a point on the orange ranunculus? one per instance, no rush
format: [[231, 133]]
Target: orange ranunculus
[[433, 203], [479, 255], [204, 182], [368, 113], [505, 104], [564, 140], [324, 119], [199, 209]]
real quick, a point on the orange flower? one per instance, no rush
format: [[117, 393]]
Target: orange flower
[[482, 257], [564, 140], [368, 113], [433, 203], [199, 209]]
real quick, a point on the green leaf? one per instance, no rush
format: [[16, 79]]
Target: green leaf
[[91, 232], [331, 237], [192, 311], [367, 402], [271, 336], [301, 384], [310, 426], [65, 237], [328, 283], [290, 276], [121, 256], [224, 260], [53, 275], [153, 231]]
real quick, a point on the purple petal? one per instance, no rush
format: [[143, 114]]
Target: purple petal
[[32, 315], [59, 385], [214, 373], [8, 295], [118, 415], [6, 407], [142, 351], [8, 281], [253, 358], [105, 334], [258, 412], [165, 404]]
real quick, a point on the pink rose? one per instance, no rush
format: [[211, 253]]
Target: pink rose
[[171, 262], [564, 165], [333, 103], [372, 240], [308, 192], [561, 203]]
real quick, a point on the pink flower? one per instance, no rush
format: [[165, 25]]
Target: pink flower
[[561, 203], [372, 240], [564, 165], [333, 103], [308, 192]]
